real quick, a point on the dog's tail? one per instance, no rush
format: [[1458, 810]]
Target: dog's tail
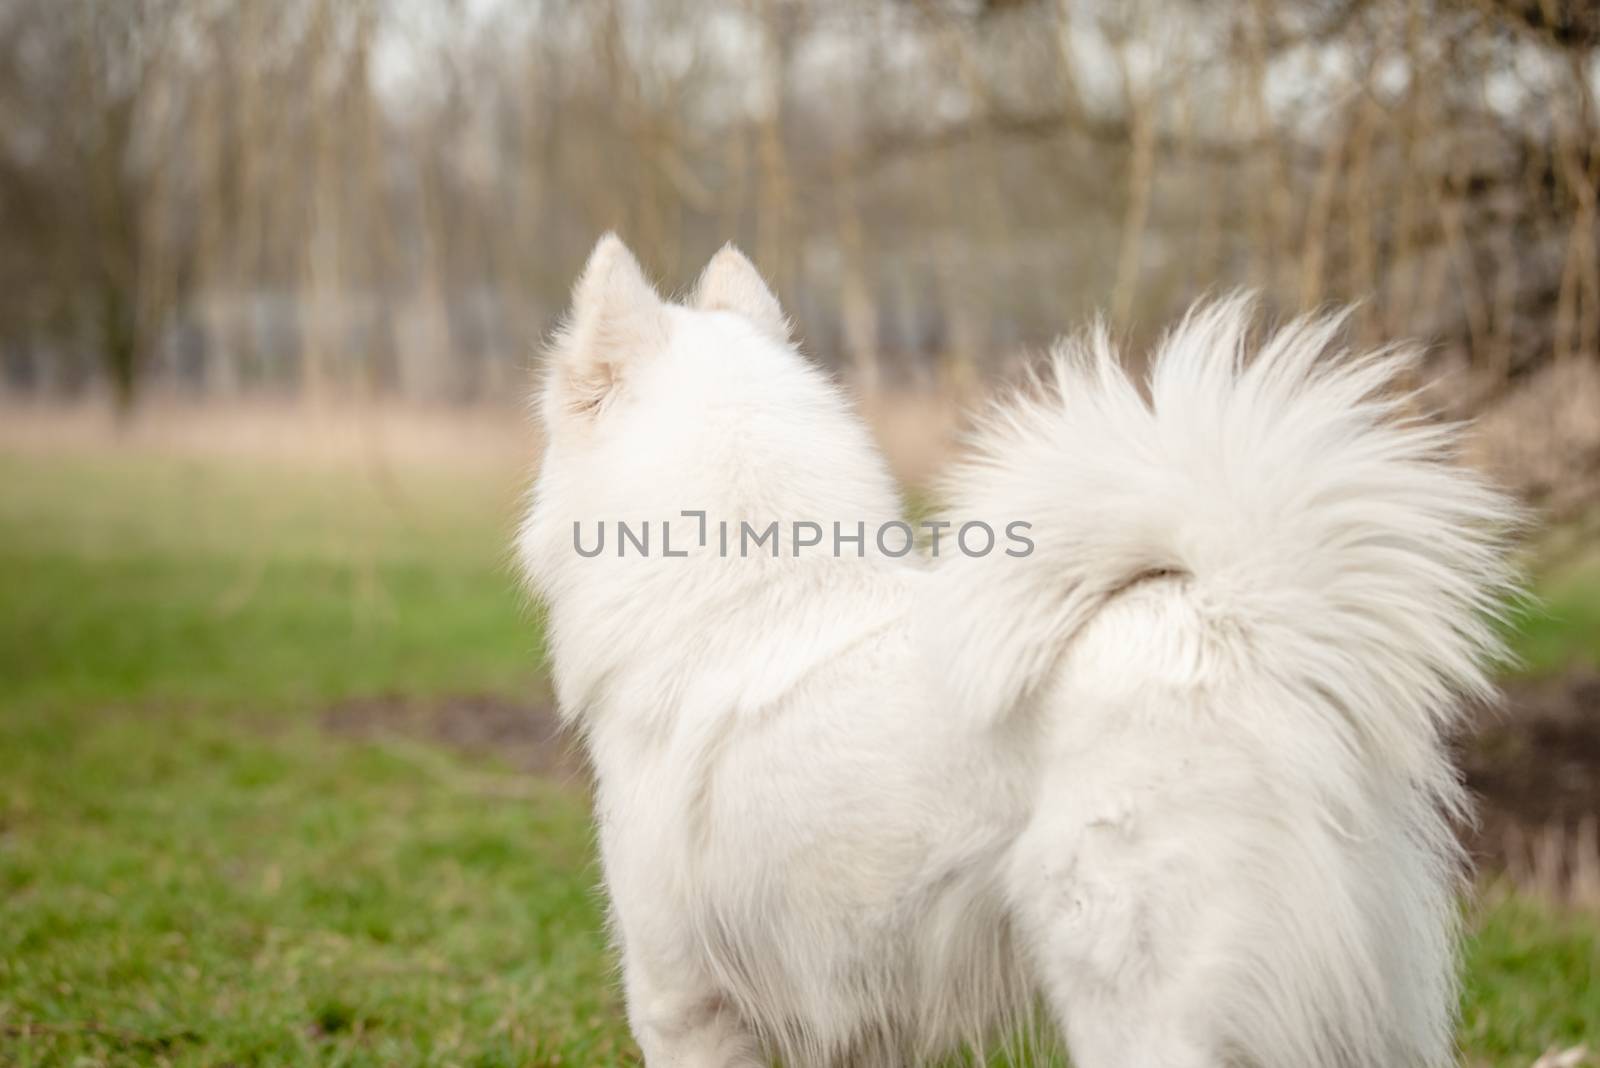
[[1292, 491], [1326, 582]]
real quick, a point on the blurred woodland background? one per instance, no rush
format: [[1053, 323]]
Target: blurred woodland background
[[334, 200]]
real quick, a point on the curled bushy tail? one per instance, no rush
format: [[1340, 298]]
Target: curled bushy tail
[[1293, 491]]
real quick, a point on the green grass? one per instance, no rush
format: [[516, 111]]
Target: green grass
[[1532, 982], [198, 891], [134, 579], [1563, 628], [193, 871]]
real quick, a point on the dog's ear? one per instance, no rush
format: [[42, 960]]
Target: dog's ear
[[616, 318], [731, 282]]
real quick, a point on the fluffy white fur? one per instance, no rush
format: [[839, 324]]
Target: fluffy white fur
[[1177, 775]]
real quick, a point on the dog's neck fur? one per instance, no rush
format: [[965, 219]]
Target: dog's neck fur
[[706, 637]]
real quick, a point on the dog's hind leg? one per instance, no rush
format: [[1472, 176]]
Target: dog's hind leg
[[1123, 978], [683, 1023]]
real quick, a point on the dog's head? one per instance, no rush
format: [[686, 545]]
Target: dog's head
[[652, 409]]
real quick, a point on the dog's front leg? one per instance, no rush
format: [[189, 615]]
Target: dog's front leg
[[681, 1020]]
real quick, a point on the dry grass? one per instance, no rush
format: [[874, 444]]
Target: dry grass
[[479, 438]]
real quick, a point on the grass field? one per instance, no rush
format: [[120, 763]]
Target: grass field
[[195, 870]]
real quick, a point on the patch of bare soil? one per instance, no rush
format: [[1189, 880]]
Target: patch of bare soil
[[526, 736], [1534, 764]]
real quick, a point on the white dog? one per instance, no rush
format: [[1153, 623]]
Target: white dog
[[1168, 763]]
